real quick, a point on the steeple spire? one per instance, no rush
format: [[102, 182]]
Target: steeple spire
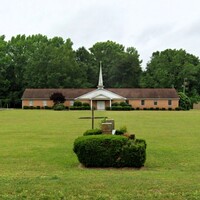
[[100, 84]]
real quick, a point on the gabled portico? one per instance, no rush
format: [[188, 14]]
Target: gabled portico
[[100, 98]]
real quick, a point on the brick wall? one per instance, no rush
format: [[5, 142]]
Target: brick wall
[[136, 103], [149, 103], [41, 103]]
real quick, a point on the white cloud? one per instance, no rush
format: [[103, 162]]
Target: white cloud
[[147, 25]]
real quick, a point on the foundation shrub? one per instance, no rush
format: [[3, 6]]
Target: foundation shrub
[[77, 104], [115, 104], [47, 107], [74, 108], [110, 151], [85, 107], [121, 106], [116, 108], [79, 108], [127, 108], [108, 108], [86, 104], [177, 108], [59, 107]]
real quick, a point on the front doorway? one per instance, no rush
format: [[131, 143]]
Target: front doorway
[[100, 105]]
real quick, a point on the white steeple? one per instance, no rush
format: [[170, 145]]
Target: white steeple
[[100, 84]]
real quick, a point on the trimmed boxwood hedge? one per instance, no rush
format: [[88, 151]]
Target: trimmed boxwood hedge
[[80, 108], [110, 151]]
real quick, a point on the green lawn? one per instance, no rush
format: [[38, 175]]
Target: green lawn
[[37, 160]]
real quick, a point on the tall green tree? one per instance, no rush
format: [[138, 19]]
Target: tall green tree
[[52, 64], [87, 67], [18, 57], [169, 68], [118, 63], [4, 79], [128, 70], [109, 53]]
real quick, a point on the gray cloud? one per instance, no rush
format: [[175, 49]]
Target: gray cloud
[[147, 25]]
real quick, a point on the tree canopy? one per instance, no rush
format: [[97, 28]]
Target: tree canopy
[[57, 98], [173, 68], [37, 61]]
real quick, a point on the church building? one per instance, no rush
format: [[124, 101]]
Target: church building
[[100, 98]]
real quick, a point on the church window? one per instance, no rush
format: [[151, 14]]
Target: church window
[[142, 102]]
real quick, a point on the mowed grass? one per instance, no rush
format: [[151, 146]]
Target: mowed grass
[[37, 159]]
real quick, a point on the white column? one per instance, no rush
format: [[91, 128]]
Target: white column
[[91, 104], [110, 103]]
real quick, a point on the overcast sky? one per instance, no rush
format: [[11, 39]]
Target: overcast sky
[[147, 25]]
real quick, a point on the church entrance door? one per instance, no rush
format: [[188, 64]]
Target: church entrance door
[[100, 105]]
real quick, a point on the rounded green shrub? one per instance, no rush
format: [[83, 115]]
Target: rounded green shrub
[[110, 151], [77, 104]]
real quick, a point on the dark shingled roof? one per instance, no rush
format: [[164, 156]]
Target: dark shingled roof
[[69, 93], [130, 93], [146, 93]]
